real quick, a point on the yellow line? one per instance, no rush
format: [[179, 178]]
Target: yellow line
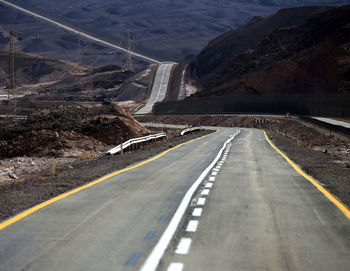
[[26, 213], [340, 206]]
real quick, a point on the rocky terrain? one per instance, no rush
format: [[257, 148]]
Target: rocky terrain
[[53, 131], [42, 81], [298, 50], [164, 29]]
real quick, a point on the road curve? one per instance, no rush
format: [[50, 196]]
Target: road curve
[[333, 121], [258, 214], [78, 32], [159, 87]]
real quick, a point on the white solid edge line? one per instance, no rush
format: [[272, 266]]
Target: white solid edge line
[[183, 246], [197, 212], [175, 267], [153, 259], [192, 225]]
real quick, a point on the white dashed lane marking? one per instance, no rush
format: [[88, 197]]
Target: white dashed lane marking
[[190, 199], [208, 185], [175, 267], [184, 246], [192, 225], [197, 212], [201, 201], [205, 192]]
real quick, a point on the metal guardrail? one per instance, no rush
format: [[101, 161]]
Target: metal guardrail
[[189, 129], [135, 141], [331, 127], [141, 105]]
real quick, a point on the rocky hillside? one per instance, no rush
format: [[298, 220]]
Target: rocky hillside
[[32, 69], [61, 129], [297, 50]]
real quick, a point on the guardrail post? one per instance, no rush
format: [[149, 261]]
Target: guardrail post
[[121, 146]]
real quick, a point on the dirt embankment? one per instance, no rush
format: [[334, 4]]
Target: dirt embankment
[[323, 155], [56, 131]]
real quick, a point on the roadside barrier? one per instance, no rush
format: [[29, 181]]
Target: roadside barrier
[[135, 143], [189, 129]]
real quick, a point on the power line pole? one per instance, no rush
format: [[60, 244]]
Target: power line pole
[[11, 87], [128, 64], [12, 60]]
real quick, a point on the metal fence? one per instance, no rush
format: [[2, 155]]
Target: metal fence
[[315, 105]]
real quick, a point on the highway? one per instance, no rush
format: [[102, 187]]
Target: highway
[[159, 87], [78, 32], [226, 201], [334, 122]]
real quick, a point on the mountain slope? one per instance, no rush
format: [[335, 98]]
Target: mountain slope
[[301, 50]]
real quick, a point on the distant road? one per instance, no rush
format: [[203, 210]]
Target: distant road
[[159, 87], [334, 122], [78, 32], [252, 212]]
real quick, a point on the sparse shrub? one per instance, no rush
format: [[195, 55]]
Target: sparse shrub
[[18, 181], [347, 165], [41, 178]]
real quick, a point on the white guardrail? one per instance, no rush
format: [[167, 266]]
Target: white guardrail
[[189, 129], [135, 141]]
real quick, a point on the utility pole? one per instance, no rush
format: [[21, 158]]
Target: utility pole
[[12, 60], [11, 87], [128, 64]]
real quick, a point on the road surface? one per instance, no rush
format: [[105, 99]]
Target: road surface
[[78, 32], [159, 87], [258, 214], [334, 122]]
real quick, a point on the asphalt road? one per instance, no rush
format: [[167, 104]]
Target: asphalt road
[[259, 214], [335, 122], [159, 87]]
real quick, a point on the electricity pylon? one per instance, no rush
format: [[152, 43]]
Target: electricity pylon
[[128, 64]]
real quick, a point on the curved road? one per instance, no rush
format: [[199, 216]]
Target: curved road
[[159, 88], [254, 212]]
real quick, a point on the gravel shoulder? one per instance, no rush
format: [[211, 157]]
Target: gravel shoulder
[[39, 185], [328, 169]]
